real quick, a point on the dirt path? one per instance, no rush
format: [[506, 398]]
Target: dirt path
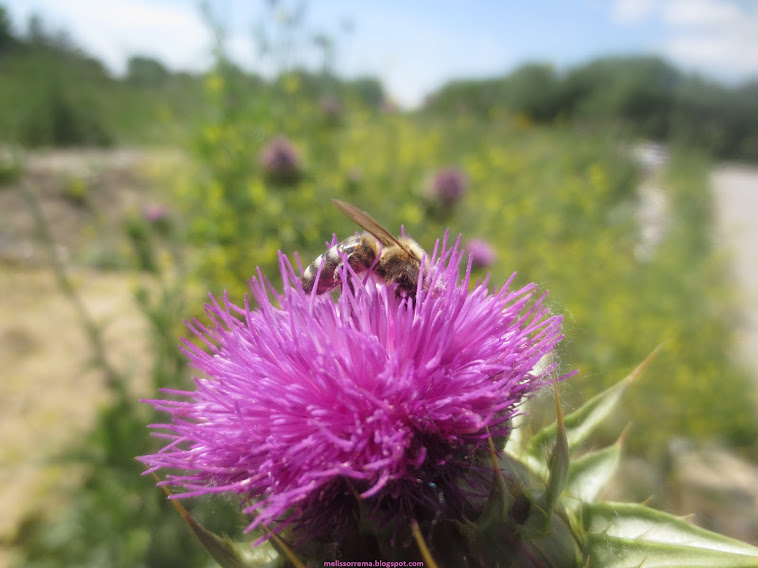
[[48, 395], [735, 196], [735, 192]]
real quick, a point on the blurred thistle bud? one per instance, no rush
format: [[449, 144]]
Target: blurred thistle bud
[[154, 213], [481, 252], [387, 107], [331, 108], [281, 161], [354, 176], [157, 216], [448, 186]]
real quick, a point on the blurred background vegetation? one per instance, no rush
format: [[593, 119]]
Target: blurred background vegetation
[[551, 184]]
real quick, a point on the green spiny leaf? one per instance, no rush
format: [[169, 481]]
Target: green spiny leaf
[[556, 549], [629, 535], [281, 547], [581, 423], [589, 474], [499, 501], [222, 549], [558, 466], [609, 552]]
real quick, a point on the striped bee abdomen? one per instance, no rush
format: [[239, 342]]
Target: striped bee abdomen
[[360, 251]]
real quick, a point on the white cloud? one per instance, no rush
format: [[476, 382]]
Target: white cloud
[[116, 29], [701, 13], [718, 37], [631, 11], [421, 53], [726, 55]]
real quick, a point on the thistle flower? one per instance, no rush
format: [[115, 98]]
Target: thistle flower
[[310, 403], [154, 213], [331, 108], [387, 106], [281, 162], [447, 186], [482, 253]]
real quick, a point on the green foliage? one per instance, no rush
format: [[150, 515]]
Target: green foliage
[[146, 71], [646, 96], [55, 120], [530, 90], [52, 94], [626, 535], [43, 100], [11, 165], [7, 40], [703, 309], [635, 91], [76, 191]]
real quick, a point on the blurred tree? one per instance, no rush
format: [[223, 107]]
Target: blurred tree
[[638, 91], [532, 90], [474, 96], [35, 30], [59, 120], [7, 39], [146, 71], [368, 90], [646, 96]]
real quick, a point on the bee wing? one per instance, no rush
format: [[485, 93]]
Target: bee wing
[[367, 222]]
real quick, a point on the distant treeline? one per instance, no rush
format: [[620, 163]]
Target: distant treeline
[[646, 96], [52, 93]]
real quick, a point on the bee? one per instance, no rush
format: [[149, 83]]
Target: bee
[[396, 260]]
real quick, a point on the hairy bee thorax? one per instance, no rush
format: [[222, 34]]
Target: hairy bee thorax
[[399, 265]]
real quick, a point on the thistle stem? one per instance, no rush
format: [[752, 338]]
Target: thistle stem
[[93, 331]]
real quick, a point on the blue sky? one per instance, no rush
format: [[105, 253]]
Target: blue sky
[[416, 46]]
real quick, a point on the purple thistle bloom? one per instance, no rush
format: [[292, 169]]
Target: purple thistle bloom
[[387, 107], [307, 402], [281, 161], [331, 107], [482, 253], [154, 213], [448, 186]]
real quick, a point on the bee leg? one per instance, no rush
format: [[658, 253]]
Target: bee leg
[[355, 267], [350, 286]]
